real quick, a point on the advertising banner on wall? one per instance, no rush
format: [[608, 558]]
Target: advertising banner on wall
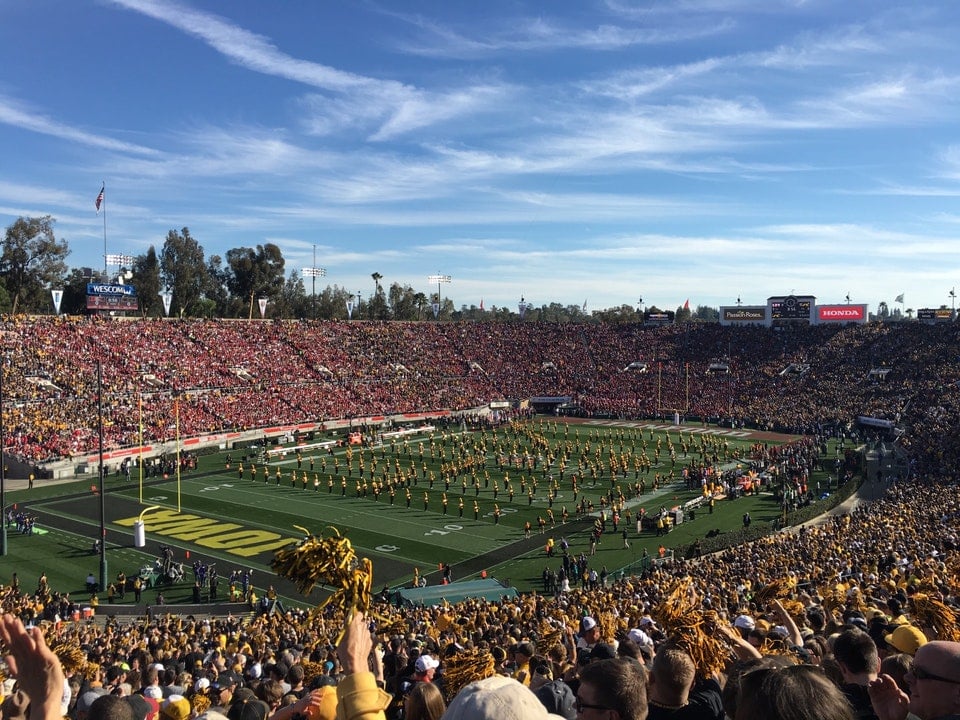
[[841, 313]]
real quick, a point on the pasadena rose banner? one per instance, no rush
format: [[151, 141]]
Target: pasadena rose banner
[[842, 313]]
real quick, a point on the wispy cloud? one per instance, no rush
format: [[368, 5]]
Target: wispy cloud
[[543, 34], [20, 115], [399, 108]]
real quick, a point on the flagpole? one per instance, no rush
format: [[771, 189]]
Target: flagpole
[[103, 194]]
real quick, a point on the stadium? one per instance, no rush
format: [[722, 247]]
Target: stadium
[[585, 467]]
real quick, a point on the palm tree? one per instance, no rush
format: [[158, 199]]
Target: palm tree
[[377, 277]]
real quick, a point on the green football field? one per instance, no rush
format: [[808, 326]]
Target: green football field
[[237, 522]]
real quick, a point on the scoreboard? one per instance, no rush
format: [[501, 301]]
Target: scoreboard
[[791, 307], [110, 296]]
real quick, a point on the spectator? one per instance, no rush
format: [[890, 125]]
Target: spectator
[[800, 692], [423, 702], [618, 684], [934, 682]]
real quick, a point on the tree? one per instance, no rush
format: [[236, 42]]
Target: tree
[[217, 291], [705, 313], [378, 303], [403, 302], [420, 300], [332, 303], [255, 273], [32, 262], [184, 271], [146, 280], [293, 301], [74, 300], [623, 314]]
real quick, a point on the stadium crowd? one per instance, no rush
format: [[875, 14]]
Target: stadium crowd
[[854, 617], [207, 376]]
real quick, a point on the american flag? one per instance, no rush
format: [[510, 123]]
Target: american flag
[[99, 201]]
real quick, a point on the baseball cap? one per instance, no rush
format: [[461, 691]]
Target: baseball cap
[[558, 698], [498, 698], [227, 679], [175, 707], [244, 693], [248, 710], [425, 663], [88, 698], [647, 621], [744, 622], [603, 651], [141, 707], [639, 637], [327, 707], [906, 639], [587, 624]]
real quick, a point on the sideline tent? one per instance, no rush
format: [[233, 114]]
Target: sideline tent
[[488, 589]]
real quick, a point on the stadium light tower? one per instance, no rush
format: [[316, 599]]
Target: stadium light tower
[[118, 260], [314, 272], [438, 279], [953, 303], [523, 306]]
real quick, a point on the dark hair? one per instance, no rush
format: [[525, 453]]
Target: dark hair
[[629, 649], [799, 692], [110, 707], [897, 666], [731, 690], [856, 650]]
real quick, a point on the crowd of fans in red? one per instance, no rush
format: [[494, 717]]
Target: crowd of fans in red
[[212, 376]]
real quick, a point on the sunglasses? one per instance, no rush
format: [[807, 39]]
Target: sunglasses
[[920, 674]]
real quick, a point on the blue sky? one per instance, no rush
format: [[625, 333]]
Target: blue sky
[[560, 151]]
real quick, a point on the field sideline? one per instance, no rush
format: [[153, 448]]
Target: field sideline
[[214, 516]]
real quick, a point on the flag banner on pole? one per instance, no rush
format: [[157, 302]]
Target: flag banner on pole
[[899, 298], [99, 200]]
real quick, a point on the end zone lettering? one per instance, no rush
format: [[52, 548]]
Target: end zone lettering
[[210, 533]]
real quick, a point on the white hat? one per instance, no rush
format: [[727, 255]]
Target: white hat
[[744, 622], [497, 698], [64, 696], [587, 623], [425, 663], [639, 637], [647, 620]]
